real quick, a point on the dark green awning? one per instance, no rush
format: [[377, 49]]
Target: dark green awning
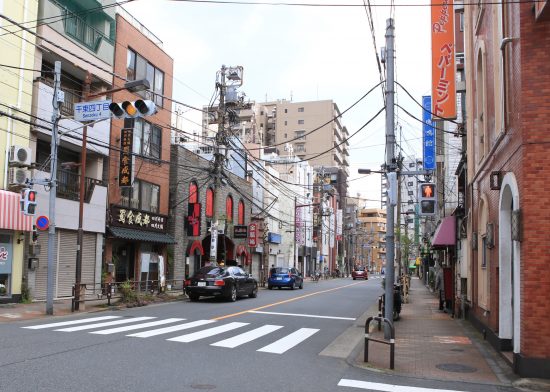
[[140, 235]]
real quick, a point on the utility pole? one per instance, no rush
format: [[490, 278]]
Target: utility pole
[[218, 162], [80, 234], [390, 167], [53, 186]]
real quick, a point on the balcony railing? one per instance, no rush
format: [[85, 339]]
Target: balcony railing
[[68, 185], [77, 28]]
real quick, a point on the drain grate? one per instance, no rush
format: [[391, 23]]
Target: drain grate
[[456, 368], [458, 350]]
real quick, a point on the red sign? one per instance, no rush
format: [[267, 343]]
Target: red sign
[[443, 59], [252, 235]]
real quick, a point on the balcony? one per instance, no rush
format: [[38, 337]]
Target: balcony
[[94, 32], [68, 185]]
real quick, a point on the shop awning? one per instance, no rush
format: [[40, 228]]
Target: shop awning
[[11, 217], [445, 234], [141, 235]]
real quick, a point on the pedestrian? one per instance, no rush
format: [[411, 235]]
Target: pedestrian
[[440, 287]]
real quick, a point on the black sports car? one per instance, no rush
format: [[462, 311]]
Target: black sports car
[[227, 282]]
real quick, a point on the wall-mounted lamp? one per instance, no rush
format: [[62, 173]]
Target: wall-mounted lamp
[[495, 180]]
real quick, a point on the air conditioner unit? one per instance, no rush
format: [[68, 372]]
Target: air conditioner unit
[[19, 156], [17, 176]]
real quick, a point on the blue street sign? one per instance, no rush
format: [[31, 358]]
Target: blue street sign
[[91, 111], [42, 223], [428, 134]]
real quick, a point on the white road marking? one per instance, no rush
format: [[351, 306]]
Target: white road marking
[[303, 315], [191, 337], [107, 324], [284, 344], [173, 328], [247, 336], [138, 326], [375, 386], [63, 323]]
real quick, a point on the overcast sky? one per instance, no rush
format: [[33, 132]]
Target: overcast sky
[[301, 53]]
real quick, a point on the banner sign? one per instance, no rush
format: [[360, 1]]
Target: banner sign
[[428, 135], [252, 235], [125, 169], [443, 59]]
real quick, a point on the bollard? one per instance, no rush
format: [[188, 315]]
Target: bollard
[[72, 299], [109, 294], [391, 342]]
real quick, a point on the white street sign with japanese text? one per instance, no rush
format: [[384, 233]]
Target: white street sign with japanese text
[[91, 111]]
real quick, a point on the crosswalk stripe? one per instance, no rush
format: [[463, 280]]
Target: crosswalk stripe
[[284, 344], [247, 336], [106, 324], [73, 322], [375, 386], [138, 326], [191, 337], [174, 328]]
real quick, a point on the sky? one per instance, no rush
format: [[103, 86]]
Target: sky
[[302, 53]]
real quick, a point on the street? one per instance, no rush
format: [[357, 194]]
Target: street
[[284, 340]]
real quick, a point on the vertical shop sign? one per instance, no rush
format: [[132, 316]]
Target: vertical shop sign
[[443, 59], [125, 167]]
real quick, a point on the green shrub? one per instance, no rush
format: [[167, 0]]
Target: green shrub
[[127, 292]]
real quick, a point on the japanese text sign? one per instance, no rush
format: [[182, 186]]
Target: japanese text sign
[[91, 111], [443, 59], [125, 167], [252, 235], [428, 134]]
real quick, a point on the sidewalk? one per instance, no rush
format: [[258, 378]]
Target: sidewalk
[[37, 310], [431, 344]]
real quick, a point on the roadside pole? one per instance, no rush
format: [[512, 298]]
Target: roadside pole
[[390, 167], [80, 234], [53, 187]]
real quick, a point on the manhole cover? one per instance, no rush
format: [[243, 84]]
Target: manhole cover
[[203, 386], [457, 350], [456, 368]]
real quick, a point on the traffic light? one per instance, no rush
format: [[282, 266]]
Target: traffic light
[[132, 109], [28, 202], [427, 199], [34, 234]]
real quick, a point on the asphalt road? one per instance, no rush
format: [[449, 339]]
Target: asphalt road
[[283, 340]]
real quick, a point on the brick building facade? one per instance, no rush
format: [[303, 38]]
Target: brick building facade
[[191, 215], [508, 98]]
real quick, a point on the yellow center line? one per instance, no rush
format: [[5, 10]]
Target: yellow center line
[[285, 301]]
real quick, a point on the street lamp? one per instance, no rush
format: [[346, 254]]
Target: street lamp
[[133, 86]]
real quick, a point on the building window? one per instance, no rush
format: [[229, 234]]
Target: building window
[[193, 192], [240, 213], [412, 164], [209, 212], [141, 195], [484, 251], [301, 122], [147, 139], [286, 135], [301, 109], [229, 209], [411, 193], [286, 110], [138, 68], [300, 135], [286, 122], [410, 183]]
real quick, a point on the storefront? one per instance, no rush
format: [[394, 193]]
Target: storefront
[[13, 225], [136, 247]]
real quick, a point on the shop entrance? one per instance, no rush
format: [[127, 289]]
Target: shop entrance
[[124, 260], [6, 258]]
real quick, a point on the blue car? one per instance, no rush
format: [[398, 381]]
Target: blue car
[[285, 277]]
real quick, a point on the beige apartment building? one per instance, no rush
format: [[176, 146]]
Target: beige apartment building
[[372, 238], [310, 129]]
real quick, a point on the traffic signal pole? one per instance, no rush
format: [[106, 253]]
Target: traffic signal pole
[[53, 188], [80, 233], [390, 166]]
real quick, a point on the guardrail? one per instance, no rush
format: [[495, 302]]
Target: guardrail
[[391, 342], [115, 290]]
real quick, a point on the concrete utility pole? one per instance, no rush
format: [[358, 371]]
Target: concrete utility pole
[[390, 166], [53, 186], [80, 232], [218, 162]]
